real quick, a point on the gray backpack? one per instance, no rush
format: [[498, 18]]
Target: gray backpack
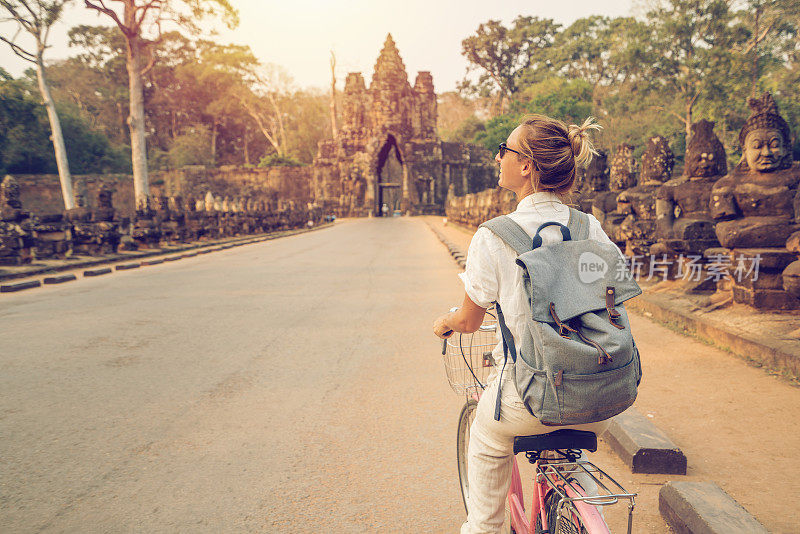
[[577, 361]]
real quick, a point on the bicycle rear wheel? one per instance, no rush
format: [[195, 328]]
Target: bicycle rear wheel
[[570, 522], [462, 446]]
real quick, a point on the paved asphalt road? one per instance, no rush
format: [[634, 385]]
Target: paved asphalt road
[[286, 386]]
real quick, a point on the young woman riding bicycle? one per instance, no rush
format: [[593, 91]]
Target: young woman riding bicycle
[[538, 162]]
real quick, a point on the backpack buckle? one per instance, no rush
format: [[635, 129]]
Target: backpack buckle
[[613, 314]]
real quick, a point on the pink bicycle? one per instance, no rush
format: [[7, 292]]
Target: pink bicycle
[[559, 504]]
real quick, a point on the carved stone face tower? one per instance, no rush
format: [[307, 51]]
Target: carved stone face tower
[[388, 151]]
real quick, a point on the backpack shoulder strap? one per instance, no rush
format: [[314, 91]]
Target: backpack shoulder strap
[[578, 224], [510, 232]]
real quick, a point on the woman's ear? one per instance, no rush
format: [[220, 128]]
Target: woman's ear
[[527, 168]]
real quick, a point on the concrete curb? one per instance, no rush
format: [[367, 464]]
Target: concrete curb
[[127, 266], [13, 288], [60, 279], [703, 507], [643, 447], [97, 272]]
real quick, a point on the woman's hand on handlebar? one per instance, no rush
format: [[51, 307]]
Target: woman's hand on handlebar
[[441, 328], [466, 319]]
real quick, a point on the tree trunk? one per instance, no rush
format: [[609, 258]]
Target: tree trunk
[[754, 66], [214, 141], [136, 53], [334, 128], [246, 148], [58, 138], [688, 119]]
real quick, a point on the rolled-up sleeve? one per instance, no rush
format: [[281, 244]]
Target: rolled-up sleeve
[[480, 275]]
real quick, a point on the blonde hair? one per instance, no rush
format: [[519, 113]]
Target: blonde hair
[[556, 150]]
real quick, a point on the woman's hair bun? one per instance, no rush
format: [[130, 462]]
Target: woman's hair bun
[[578, 136]]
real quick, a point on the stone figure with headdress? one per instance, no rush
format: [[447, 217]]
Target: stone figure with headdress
[[638, 227], [683, 222], [595, 181], [754, 206], [622, 176]]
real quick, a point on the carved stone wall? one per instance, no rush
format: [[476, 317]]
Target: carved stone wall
[[42, 193]]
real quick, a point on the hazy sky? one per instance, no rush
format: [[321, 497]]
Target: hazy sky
[[299, 34]]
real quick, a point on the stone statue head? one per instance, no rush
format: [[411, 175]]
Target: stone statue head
[[705, 155], [175, 204], [209, 201], [105, 197], [657, 161], [765, 138], [80, 194], [144, 206], [597, 172], [623, 168], [158, 202], [10, 204]]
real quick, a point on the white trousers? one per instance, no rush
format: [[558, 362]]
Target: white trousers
[[491, 449]]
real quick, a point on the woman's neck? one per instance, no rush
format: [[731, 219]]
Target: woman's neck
[[526, 191]]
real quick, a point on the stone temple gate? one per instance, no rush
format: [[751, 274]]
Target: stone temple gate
[[388, 151]]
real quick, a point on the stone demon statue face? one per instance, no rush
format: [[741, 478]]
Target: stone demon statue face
[[764, 149]]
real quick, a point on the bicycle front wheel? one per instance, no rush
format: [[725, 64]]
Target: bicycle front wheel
[[462, 446]]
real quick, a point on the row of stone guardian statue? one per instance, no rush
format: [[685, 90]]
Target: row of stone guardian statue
[[158, 222], [738, 231]]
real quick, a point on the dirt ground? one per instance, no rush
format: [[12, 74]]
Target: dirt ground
[[733, 421]]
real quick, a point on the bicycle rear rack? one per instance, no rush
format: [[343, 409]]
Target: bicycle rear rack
[[561, 473]]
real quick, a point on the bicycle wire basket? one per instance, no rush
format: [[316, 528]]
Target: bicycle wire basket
[[468, 359]]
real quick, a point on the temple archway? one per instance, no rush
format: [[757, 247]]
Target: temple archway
[[390, 177]]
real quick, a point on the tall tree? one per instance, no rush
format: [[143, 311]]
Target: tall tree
[[95, 79], [769, 23], [603, 51], [263, 98], [502, 55], [35, 18], [141, 23], [334, 129], [697, 40]]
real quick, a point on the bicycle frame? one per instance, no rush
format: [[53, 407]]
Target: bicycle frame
[[590, 517]]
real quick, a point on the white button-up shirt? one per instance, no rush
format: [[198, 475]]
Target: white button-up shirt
[[491, 272]]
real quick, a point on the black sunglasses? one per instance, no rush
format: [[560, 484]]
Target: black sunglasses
[[502, 148]]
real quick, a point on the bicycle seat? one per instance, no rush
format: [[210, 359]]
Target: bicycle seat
[[560, 439]]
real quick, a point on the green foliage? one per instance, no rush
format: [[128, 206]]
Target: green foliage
[[468, 130], [569, 100], [192, 147], [276, 160], [497, 130], [25, 145]]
